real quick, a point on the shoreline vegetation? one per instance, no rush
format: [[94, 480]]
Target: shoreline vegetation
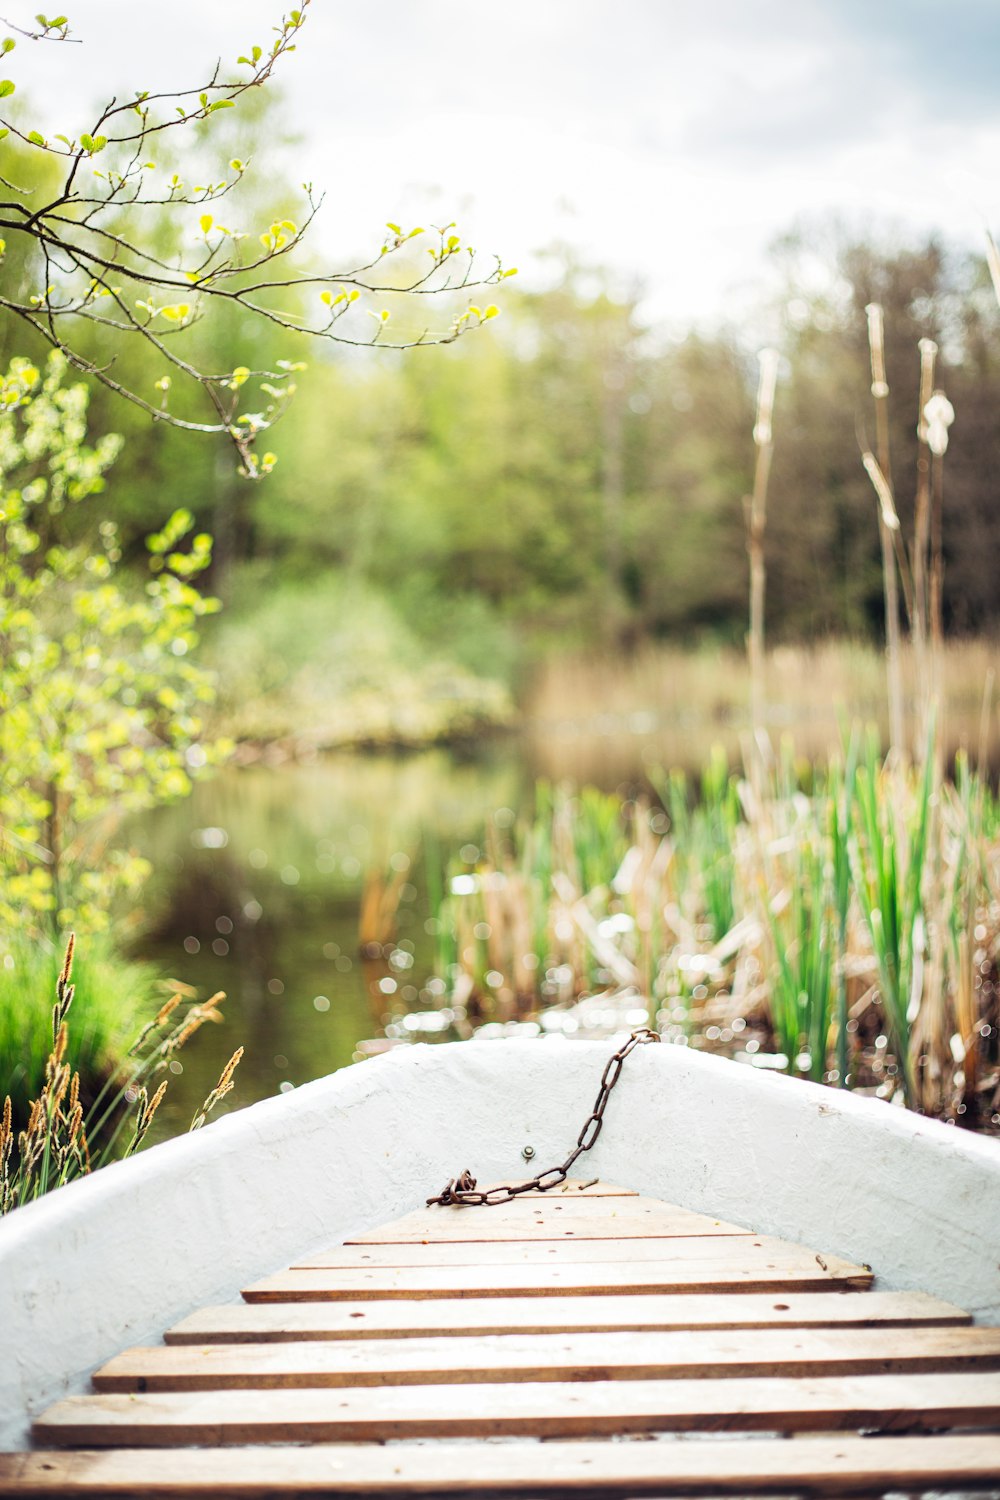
[[672, 696], [838, 921], [85, 1110]]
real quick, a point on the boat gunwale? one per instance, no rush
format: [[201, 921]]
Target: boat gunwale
[[286, 1177]]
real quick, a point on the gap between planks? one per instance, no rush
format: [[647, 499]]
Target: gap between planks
[[265, 1321]]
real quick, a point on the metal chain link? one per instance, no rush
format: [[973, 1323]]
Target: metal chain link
[[461, 1191]]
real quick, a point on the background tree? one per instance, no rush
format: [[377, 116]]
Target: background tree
[[87, 240]]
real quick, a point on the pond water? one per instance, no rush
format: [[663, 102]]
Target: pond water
[[258, 888], [261, 875]]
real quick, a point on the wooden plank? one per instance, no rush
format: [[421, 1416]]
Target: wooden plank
[[732, 1250], [96, 1474], [282, 1322], [885, 1403], [546, 1356], [802, 1273], [548, 1218], [829, 1466]]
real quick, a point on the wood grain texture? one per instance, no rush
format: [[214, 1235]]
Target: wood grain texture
[[828, 1466], [800, 1272], [605, 1315], [261, 1322], [548, 1356], [880, 1402]]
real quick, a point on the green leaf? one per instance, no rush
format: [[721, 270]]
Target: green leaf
[[8, 44], [221, 104], [205, 223], [6, 88], [86, 141], [36, 138]]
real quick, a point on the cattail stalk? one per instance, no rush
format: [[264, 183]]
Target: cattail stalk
[[938, 416], [921, 530], [756, 523], [880, 393]]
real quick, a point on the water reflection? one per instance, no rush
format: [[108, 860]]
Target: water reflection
[[302, 892]]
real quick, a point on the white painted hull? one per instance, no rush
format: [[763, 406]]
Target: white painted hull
[[116, 1258]]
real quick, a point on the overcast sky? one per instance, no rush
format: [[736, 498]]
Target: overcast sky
[[672, 139]]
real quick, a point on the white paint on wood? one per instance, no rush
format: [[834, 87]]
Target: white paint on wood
[[115, 1259]]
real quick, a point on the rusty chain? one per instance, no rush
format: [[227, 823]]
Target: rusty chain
[[462, 1192]]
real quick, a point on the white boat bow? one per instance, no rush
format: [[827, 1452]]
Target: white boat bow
[[116, 1258]]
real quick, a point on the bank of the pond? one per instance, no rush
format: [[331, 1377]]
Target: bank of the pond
[[595, 718], [380, 899]]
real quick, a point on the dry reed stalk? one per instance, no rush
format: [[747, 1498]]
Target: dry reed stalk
[[921, 529], [921, 540], [966, 1012], [986, 713], [880, 394], [525, 974], [938, 417], [931, 1011], [756, 512], [377, 923]]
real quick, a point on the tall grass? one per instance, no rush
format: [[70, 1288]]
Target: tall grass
[[62, 1137], [112, 994], [847, 918]]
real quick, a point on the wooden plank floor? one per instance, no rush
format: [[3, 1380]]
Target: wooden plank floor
[[590, 1313]]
